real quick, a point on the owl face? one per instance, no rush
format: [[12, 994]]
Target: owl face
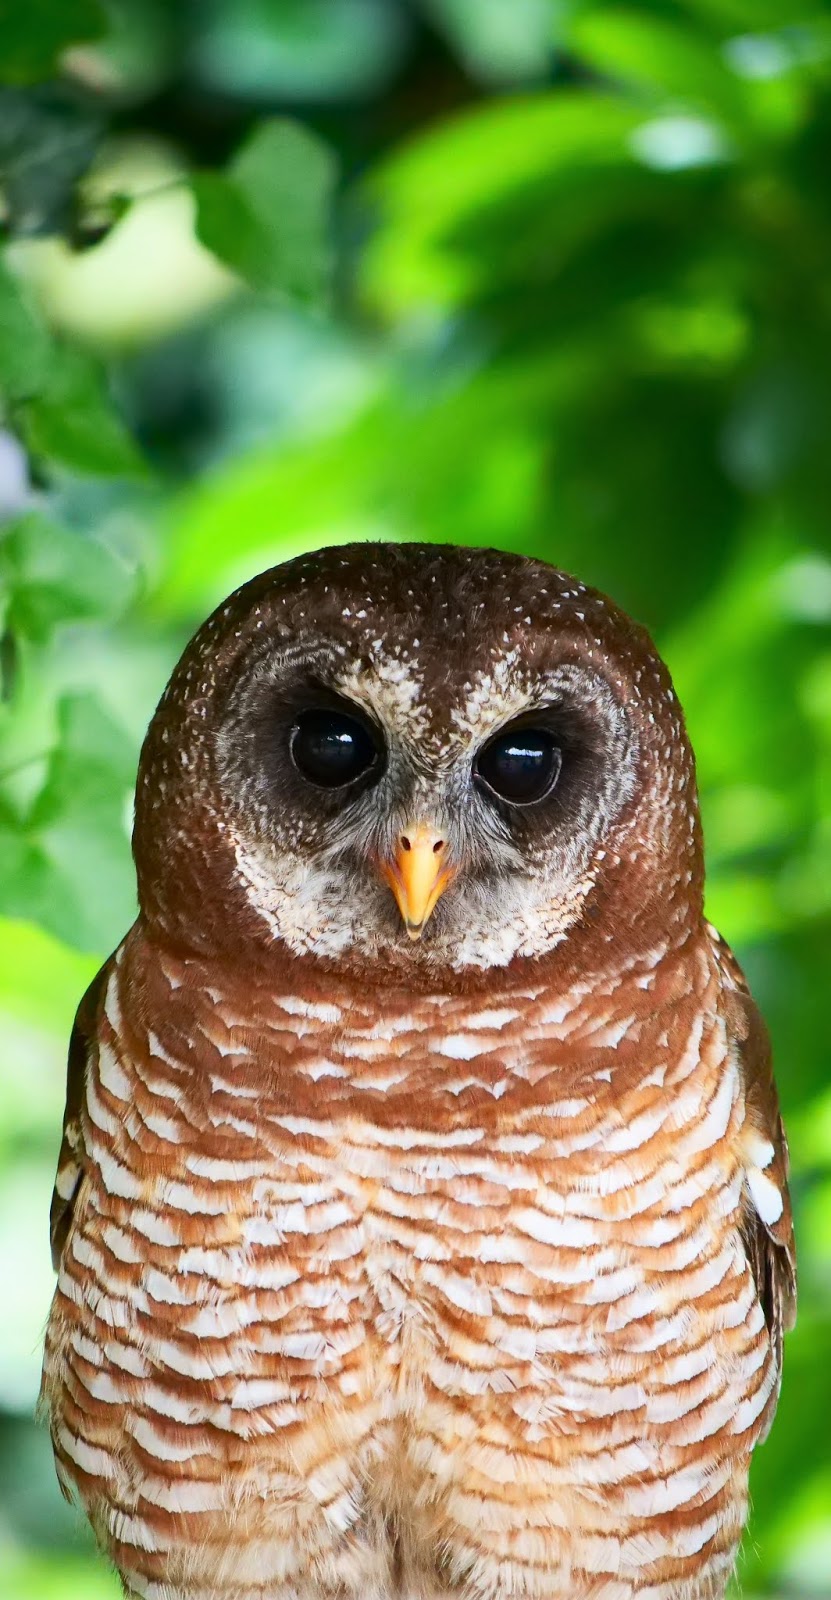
[[415, 755]]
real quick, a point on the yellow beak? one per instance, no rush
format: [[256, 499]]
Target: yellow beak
[[418, 874]]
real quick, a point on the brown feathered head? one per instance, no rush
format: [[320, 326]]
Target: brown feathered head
[[422, 756]]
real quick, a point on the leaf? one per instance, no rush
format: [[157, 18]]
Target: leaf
[[522, 147], [36, 33], [73, 421], [667, 58], [25, 344], [299, 50], [51, 576], [226, 225], [42, 1575], [499, 43], [268, 216], [68, 868], [753, 15], [41, 978]]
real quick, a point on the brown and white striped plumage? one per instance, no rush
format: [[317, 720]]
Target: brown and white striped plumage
[[392, 1269]]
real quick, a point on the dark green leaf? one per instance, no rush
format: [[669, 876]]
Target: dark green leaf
[[24, 342], [48, 139], [34, 33], [227, 225]]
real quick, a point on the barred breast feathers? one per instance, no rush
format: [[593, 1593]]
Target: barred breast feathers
[[507, 1231]]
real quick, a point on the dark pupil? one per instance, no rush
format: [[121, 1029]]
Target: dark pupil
[[521, 766], [331, 749]]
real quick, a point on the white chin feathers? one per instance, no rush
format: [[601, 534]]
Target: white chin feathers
[[326, 912]]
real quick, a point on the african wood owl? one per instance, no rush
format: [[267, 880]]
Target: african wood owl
[[421, 1218]]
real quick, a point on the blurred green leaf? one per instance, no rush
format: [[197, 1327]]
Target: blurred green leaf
[[429, 191], [299, 49], [25, 345], [73, 421], [799, 1445], [41, 978], [500, 43], [68, 866], [49, 576], [750, 16], [58, 1577], [268, 217], [34, 35], [662, 57]]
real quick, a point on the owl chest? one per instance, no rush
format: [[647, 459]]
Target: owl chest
[[476, 1263], [357, 1316]]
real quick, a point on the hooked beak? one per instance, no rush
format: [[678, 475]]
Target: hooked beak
[[418, 874]]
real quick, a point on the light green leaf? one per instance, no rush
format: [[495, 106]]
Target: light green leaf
[[61, 1577], [41, 978], [430, 191], [268, 216], [50, 575], [500, 42], [665, 58], [300, 49], [68, 867]]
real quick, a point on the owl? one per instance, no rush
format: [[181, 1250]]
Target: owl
[[421, 1219]]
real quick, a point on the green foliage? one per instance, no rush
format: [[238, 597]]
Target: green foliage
[[50, 576], [71, 423], [499, 43], [33, 36], [326, 50], [568, 296], [24, 342], [57, 395], [268, 216], [63, 862]]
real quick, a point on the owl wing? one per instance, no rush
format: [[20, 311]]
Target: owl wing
[[71, 1158], [767, 1227]]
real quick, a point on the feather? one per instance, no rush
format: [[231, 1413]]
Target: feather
[[71, 1156]]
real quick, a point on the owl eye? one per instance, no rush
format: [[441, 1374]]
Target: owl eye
[[520, 765], [332, 749]]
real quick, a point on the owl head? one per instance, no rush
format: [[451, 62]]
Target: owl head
[[419, 757]]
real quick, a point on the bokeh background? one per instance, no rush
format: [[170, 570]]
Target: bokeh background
[[538, 274]]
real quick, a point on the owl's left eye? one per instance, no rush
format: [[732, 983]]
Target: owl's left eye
[[332, 749], [520, 765]]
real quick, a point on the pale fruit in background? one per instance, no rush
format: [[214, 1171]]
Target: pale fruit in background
[[149, 276]]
